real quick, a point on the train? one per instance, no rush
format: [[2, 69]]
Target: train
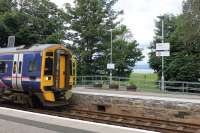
[[40, 74]]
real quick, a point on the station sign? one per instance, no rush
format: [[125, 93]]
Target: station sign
[[110, 66], [162, 53], [162, 47]]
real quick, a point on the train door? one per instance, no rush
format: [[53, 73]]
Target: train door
[[14, 71], [17, 72], [62, 71]]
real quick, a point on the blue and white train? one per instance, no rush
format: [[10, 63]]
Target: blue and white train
[[39, 74]]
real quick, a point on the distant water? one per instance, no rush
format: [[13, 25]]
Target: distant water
[[143, 70]]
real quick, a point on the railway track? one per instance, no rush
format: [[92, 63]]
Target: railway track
[[135, 122], [120, 120]]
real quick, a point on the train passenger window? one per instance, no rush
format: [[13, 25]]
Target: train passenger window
[[32, 65], [3, 67], [20, 67], [48, 70], [14, 67]]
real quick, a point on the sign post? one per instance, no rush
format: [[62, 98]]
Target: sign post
[[162, 49], [110, 66]]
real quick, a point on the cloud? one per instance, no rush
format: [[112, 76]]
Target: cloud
[[139, 15]]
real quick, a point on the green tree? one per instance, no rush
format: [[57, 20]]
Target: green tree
[[169, 29], [31, 21], [91, 20], [184, 61]]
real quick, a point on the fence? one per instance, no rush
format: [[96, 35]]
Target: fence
[[142, 85]]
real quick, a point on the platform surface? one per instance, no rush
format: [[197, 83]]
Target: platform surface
[[17, 121], [140, 95]]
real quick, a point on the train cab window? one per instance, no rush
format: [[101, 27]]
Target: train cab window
[[49, 53], [3, 67], [48, 70], [32, 65]]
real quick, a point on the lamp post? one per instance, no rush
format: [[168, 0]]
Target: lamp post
[[111, 54], [162, 77], [111, 47]]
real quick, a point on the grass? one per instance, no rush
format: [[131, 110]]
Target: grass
[[145, 82]]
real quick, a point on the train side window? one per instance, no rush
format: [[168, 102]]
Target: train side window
[[14, 67], [20, 67], [48, 70], [32, 65], [3, 68]]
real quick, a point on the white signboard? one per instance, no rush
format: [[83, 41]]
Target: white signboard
[[162, 53], [162, 47], [110, 66], [11, 41]]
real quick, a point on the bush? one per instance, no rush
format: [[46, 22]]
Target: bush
[[114, 86], [98, 85], [131, 87]]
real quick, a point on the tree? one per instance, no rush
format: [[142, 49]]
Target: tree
[[169, 29], [31, 21], [91, 20], [184, 61]]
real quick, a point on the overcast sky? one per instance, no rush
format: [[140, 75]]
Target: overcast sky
[[140, 15]]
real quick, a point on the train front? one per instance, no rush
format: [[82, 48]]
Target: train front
[[58, 75]]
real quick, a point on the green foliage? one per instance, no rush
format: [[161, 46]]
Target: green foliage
[[91, 21], [184, 61], [144, 82], [85, 24], [31, 21], [170, 26]]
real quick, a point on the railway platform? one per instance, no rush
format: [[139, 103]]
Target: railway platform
[[17, 121], [158, 106], [140, 95]]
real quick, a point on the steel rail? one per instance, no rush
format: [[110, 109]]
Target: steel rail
[[134, 122]]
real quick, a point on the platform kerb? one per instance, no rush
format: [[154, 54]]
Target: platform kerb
[[21, 121], [161, 108]]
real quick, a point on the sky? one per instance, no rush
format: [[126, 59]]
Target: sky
[[140, 15]]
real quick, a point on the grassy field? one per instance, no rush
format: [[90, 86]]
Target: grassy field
[[145, 82]]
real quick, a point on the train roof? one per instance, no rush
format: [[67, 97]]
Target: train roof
[[35, 47]]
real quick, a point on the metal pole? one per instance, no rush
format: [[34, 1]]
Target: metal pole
[[111, 55], [162, 78]]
